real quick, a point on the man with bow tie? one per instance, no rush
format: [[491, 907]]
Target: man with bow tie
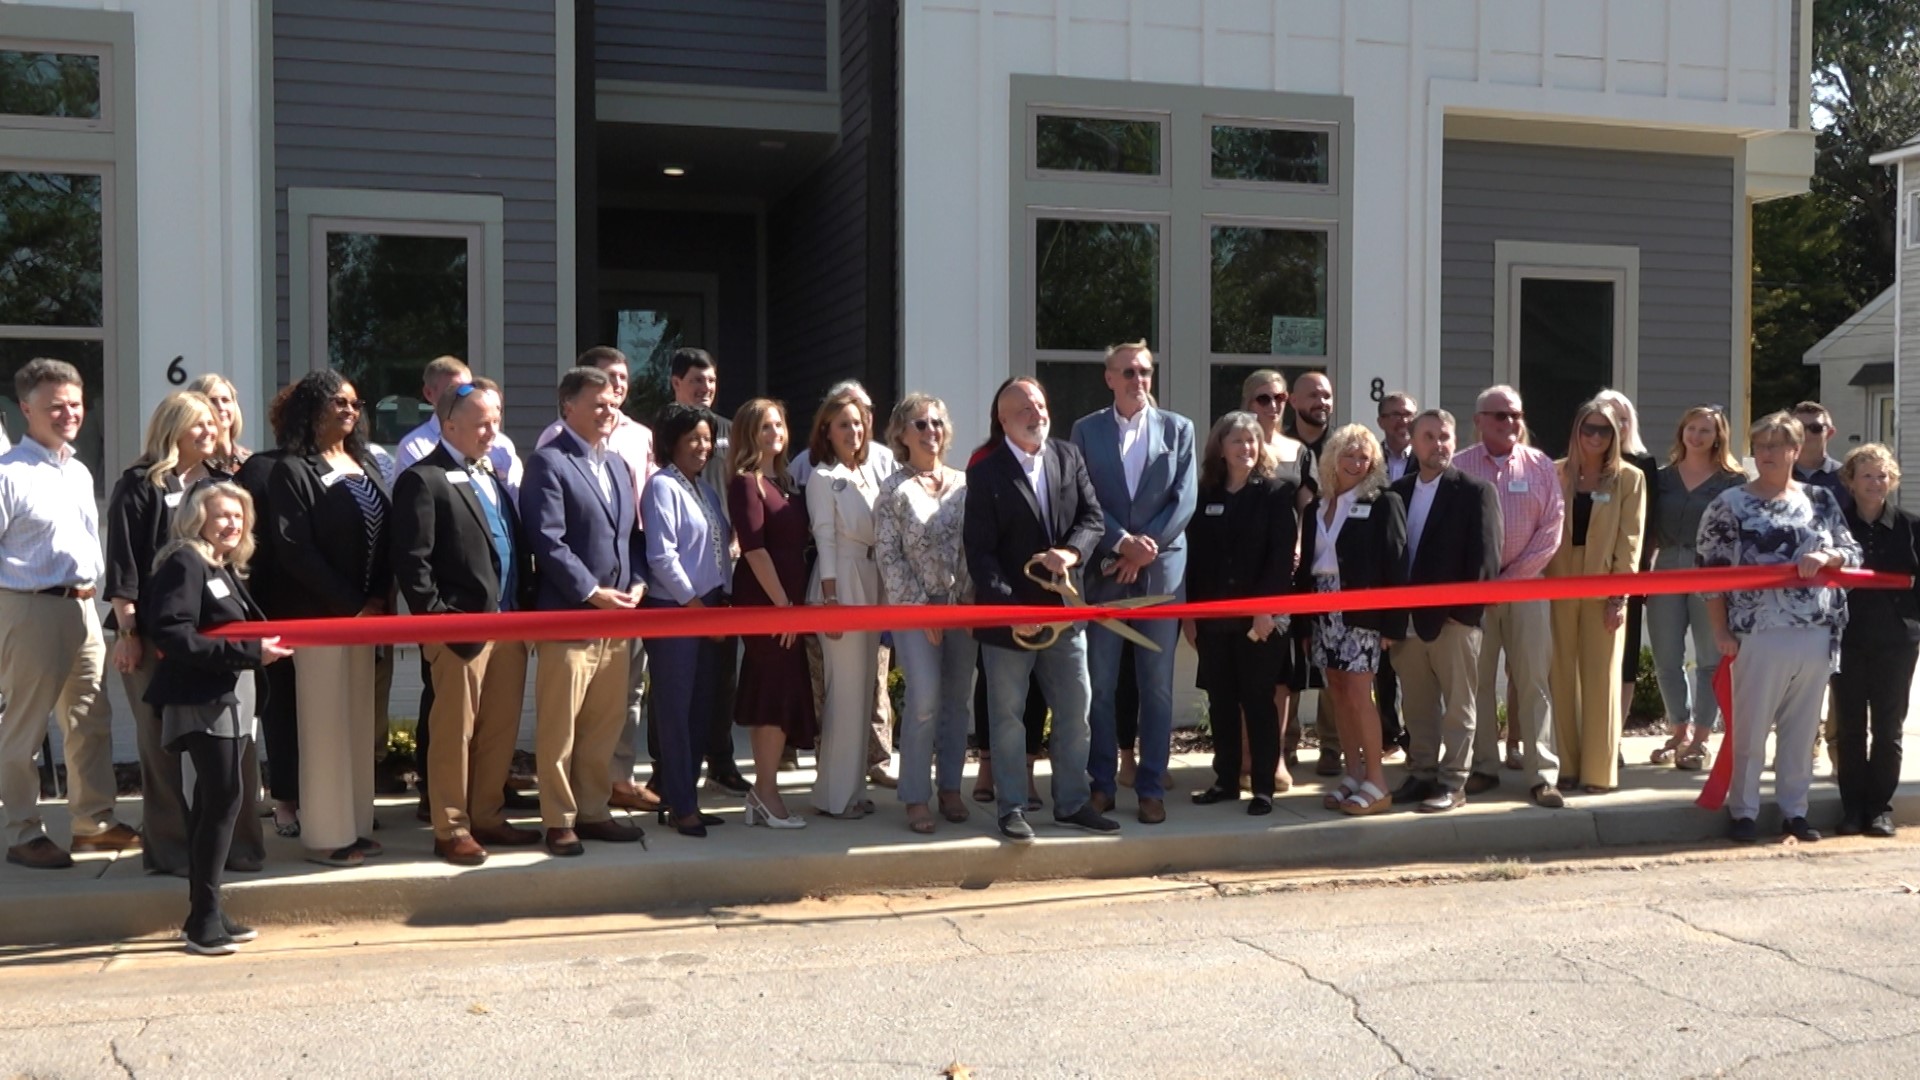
[[456, 550]]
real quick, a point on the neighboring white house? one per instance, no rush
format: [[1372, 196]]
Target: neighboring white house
[[1905, 310], [1856, 375]]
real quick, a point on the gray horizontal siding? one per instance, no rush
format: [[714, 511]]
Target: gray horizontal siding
[[1676, 209], [453, 96], [1907, 408], [760, 44]]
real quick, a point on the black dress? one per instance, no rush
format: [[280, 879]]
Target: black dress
[[1297, 672], [1636, 605]]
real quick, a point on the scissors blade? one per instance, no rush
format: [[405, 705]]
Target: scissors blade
[[1127, 632]]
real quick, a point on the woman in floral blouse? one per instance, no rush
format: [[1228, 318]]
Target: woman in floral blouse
[[1786, 642], [919, 514]]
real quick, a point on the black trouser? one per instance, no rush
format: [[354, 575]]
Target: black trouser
[[1035, 718], [1870, 700], [280, 728], [422, 732], [1244, 672], [1126, 702], [210, 820], [1386, 695], [716, 742]]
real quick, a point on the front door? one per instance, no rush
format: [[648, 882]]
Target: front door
[[647, 320]]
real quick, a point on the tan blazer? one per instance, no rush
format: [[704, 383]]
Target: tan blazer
[[1615, 531]]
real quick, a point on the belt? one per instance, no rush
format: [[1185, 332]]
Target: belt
[[68, 592]]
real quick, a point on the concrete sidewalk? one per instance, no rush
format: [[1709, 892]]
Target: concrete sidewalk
[[110, 898]]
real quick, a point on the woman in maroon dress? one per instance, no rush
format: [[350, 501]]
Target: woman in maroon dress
[[775, 697]]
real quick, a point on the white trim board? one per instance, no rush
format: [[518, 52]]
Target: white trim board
[[1517, 260]]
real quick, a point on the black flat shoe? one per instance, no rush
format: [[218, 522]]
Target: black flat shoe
[[1798, 828], [1850, 825], [1261, 806], [1215, 794]]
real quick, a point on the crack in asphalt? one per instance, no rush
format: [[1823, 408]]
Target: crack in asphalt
[[962, 935], [1710, 1007], [113, 1047], [1783, 954], [1780, 1055], [1354, 1007]]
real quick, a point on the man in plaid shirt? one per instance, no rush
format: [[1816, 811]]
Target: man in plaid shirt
[[1531, 513]]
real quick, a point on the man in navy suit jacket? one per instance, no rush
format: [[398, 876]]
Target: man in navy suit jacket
[[577, 514], [1142, 464]]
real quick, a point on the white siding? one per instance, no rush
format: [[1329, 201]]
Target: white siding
[[1908, 301]]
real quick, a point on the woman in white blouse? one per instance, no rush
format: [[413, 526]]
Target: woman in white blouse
[[922, 561], [840, 497]]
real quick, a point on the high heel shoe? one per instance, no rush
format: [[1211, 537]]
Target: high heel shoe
[[758, 814]]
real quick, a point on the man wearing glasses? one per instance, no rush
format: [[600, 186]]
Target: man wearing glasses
[[1531, 514], [1141, 461], [1396, 440], [1814, 465]]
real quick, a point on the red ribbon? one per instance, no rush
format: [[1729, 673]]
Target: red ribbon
[[718, 622], [1714, 795]]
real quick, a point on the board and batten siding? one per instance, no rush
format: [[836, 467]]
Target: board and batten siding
[[1907, 281], [759, 44], [455, 96], [1676, 209]]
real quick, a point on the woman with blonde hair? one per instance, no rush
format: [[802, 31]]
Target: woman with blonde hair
[[920, 511], [198, 583], [774, 701], [1878, 650], [1699, 467], [229, 455], [1634, 452], [181, 437], [1606, 516], [1354, 537], [840, 499]]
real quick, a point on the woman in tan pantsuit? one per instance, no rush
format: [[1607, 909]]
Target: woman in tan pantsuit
[[1606, 517], [840, 497]]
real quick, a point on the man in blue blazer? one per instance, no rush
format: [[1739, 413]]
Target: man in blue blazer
[[1141, 460], [577, 511]]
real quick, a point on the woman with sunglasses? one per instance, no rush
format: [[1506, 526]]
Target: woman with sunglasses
[[1606, 516], [1634, 452], [1699, 467], [1264, 394], [328, 530]]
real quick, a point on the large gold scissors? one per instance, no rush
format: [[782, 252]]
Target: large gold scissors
[[1062, 584]]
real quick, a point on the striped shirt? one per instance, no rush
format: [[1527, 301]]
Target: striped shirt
[[49, 525], [1531, 508]]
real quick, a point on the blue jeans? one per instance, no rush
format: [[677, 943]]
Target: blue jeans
[[1669, 618], [1062, 671], [1154, 676], [938, 713]]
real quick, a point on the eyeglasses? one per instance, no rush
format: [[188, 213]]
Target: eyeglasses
[[1506, 417], [1397, 414], [345, 403], [1815, 427], [929, 423], [1597, 431], [1136, 374], [1269, 401]]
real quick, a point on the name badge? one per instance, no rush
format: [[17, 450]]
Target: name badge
[[459, 478], [1216, 509], [1517, 487], [1362, 511], [173, 499], [332, 478], [218, 589], [1600, 497]]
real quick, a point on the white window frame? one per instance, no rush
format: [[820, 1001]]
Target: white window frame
[[1913, 217], [1162, 178], [1334, 164], [312, 213], [100, 51], [1517, 261], [1885, 416]]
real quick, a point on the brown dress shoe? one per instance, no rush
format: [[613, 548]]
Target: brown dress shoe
[[505, 835], [564, 844], [1152, 811], [39, 853], [1100, 801], [1480, 783], [1548, 796], [119, 838], [611, 831], [462, 850], [634, 798]]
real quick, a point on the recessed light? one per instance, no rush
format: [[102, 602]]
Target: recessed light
[[674, 170]]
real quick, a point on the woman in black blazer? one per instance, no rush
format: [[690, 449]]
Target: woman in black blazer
[[328, 530], [196, 584], [1240, 543], [1355, 537]]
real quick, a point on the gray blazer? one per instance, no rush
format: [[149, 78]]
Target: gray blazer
[[1161, 508]]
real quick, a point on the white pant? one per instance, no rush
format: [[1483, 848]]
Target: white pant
[[334, 693], [1779, 680]]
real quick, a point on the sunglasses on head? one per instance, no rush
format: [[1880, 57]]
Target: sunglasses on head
[[463, 390], [929, 423]]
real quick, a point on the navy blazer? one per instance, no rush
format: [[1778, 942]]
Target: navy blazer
[[321, 557], [1460, 542], [443, 556], [1003, 528], [1160, 508], [184, 596], [578, 540]]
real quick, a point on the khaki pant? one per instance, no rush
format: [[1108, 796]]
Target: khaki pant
[[1524, 632], [476, 719], [334, 695], [1437, 690], [52, 659], [1586, 691], [580, 691]]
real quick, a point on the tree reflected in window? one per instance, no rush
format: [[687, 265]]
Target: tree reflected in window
[[393, 304], [1269, 289], [1096, 283]]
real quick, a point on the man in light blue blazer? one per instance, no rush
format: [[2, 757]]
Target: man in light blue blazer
[[1141, 460]]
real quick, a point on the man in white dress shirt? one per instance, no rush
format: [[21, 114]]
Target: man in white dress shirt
[[1396, 415], [52, 655]]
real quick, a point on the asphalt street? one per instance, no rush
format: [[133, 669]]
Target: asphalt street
[[1784, 961]]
